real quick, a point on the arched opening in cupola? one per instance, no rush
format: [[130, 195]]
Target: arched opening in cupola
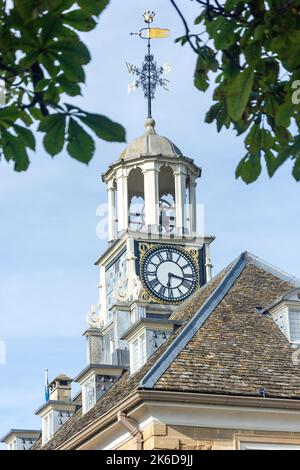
[[136, 200], [166, 187]]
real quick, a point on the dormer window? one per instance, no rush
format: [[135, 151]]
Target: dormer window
[[95, 380], [47, 427], [88, 394], [285, 311], [138, 353], [144, 337], [12, 445]]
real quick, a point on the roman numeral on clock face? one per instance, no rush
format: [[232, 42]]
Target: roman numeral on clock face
[[150, 272], [162, 291], [170, 294], [153, 283], [160, 257], [186, 283]]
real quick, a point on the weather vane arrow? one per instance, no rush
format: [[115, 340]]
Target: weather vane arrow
[[149, 75]]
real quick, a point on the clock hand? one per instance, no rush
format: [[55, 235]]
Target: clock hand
[[175, 276]]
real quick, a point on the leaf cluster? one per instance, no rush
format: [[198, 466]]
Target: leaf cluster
[[42, 59], [253, 50]]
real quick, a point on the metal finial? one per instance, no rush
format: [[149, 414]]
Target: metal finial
[[150, 75], [149, 16]]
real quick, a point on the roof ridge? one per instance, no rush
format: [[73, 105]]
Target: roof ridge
[[191, 328], [283, 275]]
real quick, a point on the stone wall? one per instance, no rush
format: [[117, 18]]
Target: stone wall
[[159, 436]]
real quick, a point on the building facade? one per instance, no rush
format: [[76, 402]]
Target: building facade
[[177, 359]]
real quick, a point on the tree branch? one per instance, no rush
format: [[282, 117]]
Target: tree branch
[[187, 31]]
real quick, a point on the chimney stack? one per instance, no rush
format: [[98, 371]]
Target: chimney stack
[[60, 388]]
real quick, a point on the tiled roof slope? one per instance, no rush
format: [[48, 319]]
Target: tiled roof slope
[[236, 350], [187, 310]]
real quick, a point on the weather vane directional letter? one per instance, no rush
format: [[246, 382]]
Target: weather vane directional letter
[[149, 75]]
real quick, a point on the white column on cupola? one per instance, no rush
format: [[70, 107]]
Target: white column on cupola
[[192, 204], [122, 200], [111, 211], [180, 187], [150, 172]]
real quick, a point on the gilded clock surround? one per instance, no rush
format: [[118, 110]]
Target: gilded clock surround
[[145, 249]]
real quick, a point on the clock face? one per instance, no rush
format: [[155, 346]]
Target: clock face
[[169, 273]]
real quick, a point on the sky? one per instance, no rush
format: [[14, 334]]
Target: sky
[[48, 241]]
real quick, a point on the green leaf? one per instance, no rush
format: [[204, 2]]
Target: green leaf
[[75, 50], [81, 145], [50, 28], [42, 84], [295, 147], [104, 127], [284, 113], [182, 39], [249, 168], [200, 77], [222, 31], [48, 59], [14, 149], [223, 118], [273, 163], [25, 135], [239, 92], [93, 7], [25, 9], [68, 86], [25, 117], [52, 94], [36, 113], [296, 170], [213, 112], [48, 122], [29, 59], [259, 32], [10, 113], [230, 4], [267, 140], [54, 126], [253, 139], [79, 20], [199, 18], [72, 70]]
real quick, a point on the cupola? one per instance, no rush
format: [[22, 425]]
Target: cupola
[[151, 188]]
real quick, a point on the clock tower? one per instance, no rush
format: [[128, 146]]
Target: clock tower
[[156, 258]]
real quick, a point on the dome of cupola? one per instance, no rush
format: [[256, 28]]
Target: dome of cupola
[[149, 144]]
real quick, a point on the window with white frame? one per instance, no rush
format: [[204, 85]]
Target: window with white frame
[[47, 427], [138, 352], [267, 446], [88, 394], [12, 445], [294, 324]]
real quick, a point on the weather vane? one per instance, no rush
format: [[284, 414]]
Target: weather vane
[[150, 75]]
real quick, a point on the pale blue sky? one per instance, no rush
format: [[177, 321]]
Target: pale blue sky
[[48, 240]]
